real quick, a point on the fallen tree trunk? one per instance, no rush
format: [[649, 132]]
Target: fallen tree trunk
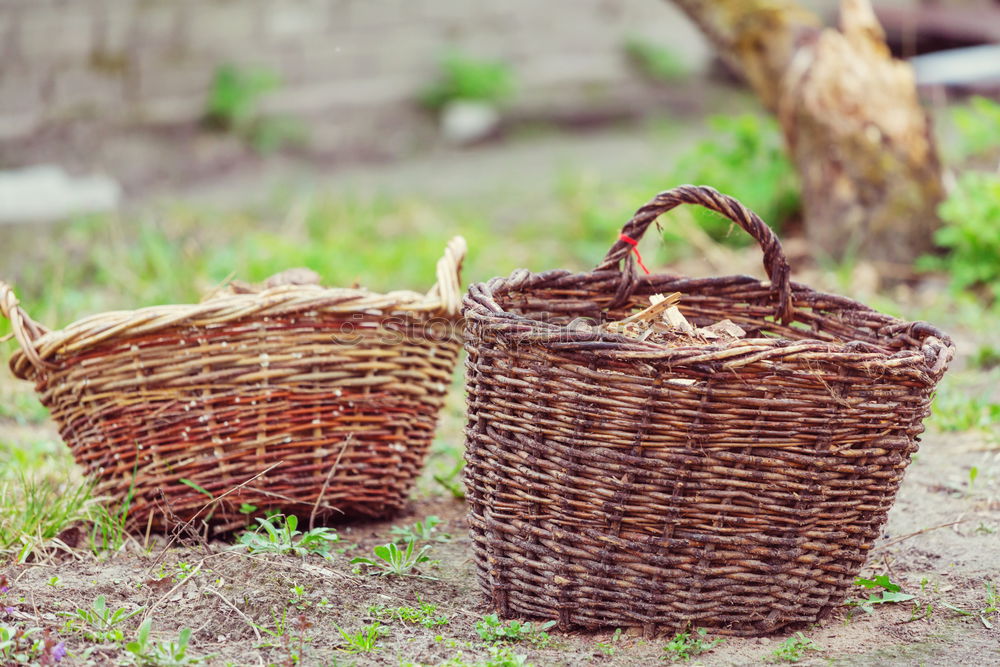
[[854, 128]]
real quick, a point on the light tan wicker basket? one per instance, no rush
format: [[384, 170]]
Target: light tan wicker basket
[[318, 401]]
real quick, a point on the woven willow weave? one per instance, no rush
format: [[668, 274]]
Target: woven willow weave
[[614, 482], [332, 394]]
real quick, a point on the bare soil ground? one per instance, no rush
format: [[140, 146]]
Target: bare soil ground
[[940, 544]]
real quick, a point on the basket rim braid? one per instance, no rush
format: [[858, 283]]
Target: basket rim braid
[[936, 347], [733, 484], [39, 344], [333, 392]]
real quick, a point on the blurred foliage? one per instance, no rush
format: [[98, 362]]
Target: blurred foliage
[[744, 157], [234, 99], [963, 402], [970, 234], [978, 127], [233, 105], [655, 62], [178, 253], [466, 78]]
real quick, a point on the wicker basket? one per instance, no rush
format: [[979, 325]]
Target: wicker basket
[[317, 401], [614, 482]]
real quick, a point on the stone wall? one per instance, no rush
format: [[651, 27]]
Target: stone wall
[[351, 64]]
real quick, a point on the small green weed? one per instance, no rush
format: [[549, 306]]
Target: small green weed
[[985, 529], [298, 599], [793, 648], [165, 653], [891, 593], [492, 629], [281, 629], [29, 646], [178, 573], [364, 640], [425, 614], [281, 536], [452, 482], [687, 645], [99, 623], [920, 611], [654, 61], [465, 78], [504, 656], [234, 99], [107, 532], [989, 610], [234, 106], [421, 531], [393, 561], [610, 647]]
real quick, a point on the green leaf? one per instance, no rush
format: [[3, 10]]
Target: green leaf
[[881, 581], [957, 610], [199, 489]]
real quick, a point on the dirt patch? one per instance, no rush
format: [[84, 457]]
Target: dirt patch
[[269, 609]]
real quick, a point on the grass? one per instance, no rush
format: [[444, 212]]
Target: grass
[[42, 498], [364, 640], [424, 614], [793, 649], [964, 402], [491, 629], [687, 645], [420, 531]]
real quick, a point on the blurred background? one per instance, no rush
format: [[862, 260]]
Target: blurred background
[[150, 150]]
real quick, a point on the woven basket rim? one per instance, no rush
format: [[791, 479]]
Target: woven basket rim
[[280, 300], [39, 344], [481, 303], [617, 278]]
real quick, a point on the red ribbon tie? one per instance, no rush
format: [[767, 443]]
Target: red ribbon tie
[[635, 248]]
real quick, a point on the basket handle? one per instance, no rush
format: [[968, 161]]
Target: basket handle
[[448, 288], [25, 330], [775, 262]]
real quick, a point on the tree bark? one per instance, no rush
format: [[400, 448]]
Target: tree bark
[[854, 128]]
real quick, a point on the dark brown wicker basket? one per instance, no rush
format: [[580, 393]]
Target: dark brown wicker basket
[[614, 482]]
